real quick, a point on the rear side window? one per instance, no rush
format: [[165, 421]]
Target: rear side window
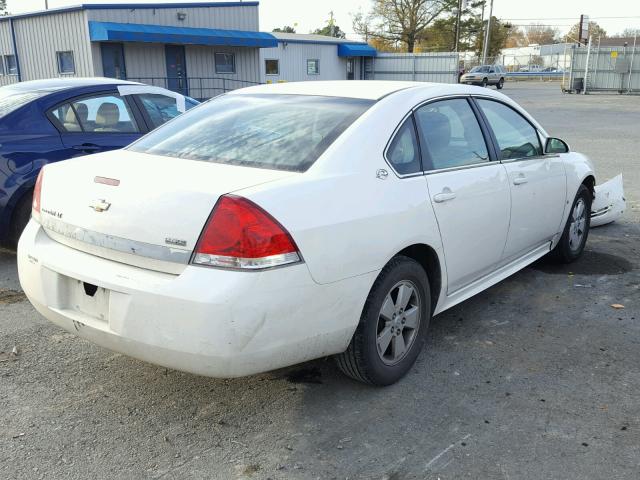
[[67, 118], [450, 135], [403, 153], [280, 132], [516, 137]]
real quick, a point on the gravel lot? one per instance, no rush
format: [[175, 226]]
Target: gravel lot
[[537, 377]]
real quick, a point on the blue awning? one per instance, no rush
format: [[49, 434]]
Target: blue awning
[[356, 50], [134, 32]]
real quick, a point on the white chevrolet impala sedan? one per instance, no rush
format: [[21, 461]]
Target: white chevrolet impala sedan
[[282, 223]]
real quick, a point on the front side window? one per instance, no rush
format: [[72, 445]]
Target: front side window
[[66, 63], [516, 137], [225, 62], [11, 64], [279, 132], [403, 153], [313, 67], [103, 114], [450, 135], [272, 67]]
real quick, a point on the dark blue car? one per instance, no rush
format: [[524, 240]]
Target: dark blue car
[[45, 121]]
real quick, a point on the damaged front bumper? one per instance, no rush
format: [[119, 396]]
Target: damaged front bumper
[[609, 203]]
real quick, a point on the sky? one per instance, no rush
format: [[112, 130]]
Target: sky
[[306, 15]]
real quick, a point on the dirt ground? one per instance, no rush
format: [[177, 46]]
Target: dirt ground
[[538, 377]]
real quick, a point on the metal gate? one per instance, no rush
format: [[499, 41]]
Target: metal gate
[[604, 69], [441, 67]]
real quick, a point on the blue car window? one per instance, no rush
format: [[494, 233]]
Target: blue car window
[[105, 114], [160, 108], [67, 118]]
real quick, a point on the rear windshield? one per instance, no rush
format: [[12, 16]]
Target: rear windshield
[[281, 132], [11, 100]]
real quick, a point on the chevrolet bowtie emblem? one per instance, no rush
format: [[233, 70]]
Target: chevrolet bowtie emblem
[[100, 205]]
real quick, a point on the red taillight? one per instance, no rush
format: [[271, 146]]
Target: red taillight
[[37, 194], [240, 234]]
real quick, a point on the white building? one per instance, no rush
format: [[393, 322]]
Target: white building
[[300, 57], [552, 55], [199, 49]]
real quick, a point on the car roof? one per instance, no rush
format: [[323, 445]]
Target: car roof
[[365, 89], [362, 89], [56, 84]]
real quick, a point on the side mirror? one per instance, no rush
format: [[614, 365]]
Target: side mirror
[[555, 145]]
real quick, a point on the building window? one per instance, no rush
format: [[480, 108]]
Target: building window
[[313, 67], [11, 64], [65, 62], [272, 67], [225, 62]]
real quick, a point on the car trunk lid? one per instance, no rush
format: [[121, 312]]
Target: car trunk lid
[[141, 209]]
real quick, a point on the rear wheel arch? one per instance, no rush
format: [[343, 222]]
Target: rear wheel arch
[[21, 212], [427, 257]]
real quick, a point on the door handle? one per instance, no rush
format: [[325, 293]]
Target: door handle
[[519, 180], [87, 147], [444, 196]]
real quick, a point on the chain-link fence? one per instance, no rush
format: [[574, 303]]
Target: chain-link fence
[[527, 66]]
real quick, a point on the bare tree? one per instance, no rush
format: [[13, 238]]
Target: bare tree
[[402, 21], [541, 34]]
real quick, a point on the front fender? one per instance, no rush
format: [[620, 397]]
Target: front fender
[[579, 169]]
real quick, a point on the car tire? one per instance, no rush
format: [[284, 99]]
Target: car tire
[[485, 82], [576, 230], [500, 84], [19, 219], [375, 354]]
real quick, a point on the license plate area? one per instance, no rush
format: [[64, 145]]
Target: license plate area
[[86, 298]]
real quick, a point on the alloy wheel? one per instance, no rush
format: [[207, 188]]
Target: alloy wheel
[[577, 225], [398, 322]]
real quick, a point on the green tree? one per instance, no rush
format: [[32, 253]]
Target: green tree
[[500, 31], [401, 21], [331, 29], [441, 35], [3, 8], [285, 29]]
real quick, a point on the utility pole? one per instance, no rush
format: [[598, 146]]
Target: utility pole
[[585, 80], [46, 4], [457, 40], [332, 23], [487, 35]]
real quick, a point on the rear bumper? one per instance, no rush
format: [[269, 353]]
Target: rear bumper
[[206, 321]]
